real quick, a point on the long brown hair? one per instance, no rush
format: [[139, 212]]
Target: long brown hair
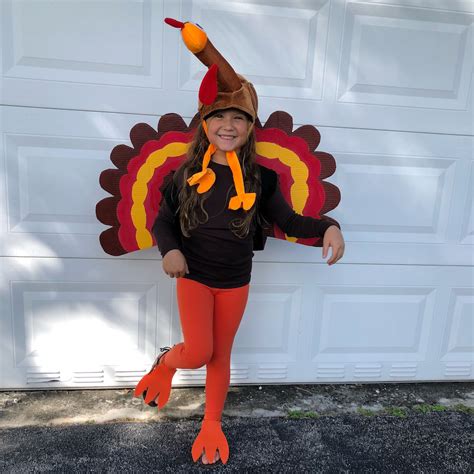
[[191, 203]]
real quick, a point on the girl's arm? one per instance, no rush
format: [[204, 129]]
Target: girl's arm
[[295, 225], [291, 223], [164, 229], [168, 240]]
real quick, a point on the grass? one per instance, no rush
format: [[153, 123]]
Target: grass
[[464, 409], [426, 408], [396, 411]]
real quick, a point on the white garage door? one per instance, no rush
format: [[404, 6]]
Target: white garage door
[[389, 86]]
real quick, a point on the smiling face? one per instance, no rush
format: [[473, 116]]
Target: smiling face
[[228, 129]]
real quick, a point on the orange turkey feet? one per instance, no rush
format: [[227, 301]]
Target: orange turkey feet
[[210, 439], [157, 383]]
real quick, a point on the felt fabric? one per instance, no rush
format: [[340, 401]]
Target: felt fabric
[[208, 89], [244, 98], [210, 439], [242, 199], [157, 384], [206, 178]]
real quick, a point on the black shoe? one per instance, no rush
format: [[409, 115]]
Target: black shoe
[[163, 351]]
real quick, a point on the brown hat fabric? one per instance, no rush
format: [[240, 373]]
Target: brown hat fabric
[[244, 99]]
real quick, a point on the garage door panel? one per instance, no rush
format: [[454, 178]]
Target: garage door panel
[[52, 163], [416, 195], [98, 55], [108, 320], [80, 322], [114, 43], [280, 72], [268, 347], [466, 210], [424, 182], [42, 171], [458, 337], [374, 322], [277, 312], [409, 79], [385, 323]]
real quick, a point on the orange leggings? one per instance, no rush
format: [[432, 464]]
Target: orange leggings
[[209, 318]]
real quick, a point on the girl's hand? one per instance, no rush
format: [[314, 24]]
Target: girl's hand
[[333, 238], [174, 264]]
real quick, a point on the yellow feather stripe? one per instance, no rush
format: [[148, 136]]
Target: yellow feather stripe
[[140, 189], [299, 191]]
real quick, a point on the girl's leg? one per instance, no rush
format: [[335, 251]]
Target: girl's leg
[[229, 307], [196, 309]]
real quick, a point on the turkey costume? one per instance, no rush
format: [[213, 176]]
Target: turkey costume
[[144, 211]]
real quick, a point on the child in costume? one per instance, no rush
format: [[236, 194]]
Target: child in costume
[[205, 230]]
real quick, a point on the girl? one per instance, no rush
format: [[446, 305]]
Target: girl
[[205, 231]]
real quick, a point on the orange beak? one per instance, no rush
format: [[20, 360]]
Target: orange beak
[[194, 37]]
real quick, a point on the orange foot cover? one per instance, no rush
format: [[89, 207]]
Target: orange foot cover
[[158, 381], [210, 438]]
